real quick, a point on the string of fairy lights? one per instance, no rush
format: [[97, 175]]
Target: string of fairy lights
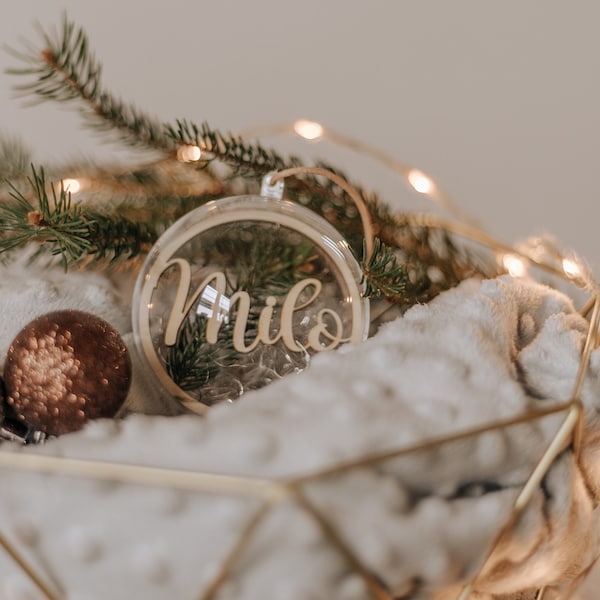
[[516, 263]]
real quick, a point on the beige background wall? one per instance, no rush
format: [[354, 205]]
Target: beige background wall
[[499, 101]]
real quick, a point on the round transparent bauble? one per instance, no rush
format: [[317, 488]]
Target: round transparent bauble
[[241, 292]]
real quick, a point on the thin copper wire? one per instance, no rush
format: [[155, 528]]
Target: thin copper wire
[[195, 481], [562, 437], [570, 430], [27, 569], [228, 564], [201, 182], [358, 200], [375, 587], [481, 237], [467, 225], [386, 455], [437, 194]]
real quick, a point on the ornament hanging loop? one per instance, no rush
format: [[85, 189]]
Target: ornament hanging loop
[[277, 177], [270, 189]]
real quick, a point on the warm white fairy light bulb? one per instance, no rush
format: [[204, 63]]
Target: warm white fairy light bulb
[[421, 182], [189, 153], [309, 130], [515, 265], [71, 185], [571, 268]]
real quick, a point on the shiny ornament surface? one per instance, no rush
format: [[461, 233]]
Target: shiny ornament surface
[[65, 368], [242, 292]]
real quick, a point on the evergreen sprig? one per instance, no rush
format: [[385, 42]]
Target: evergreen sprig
[[67, 229], [382, 275], [266, 264], [252, 161], [114, 239], [66, 70], [54, 222], [192, 362], [14, 157], [244, 158]]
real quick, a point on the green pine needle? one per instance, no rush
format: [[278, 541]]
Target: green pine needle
[[66, 70], [382, 275], [66, 229], [244, 158], [14, 157], [192, 362], [54, 222]]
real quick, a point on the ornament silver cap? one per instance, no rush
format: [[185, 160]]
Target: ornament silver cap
[[268, 189]]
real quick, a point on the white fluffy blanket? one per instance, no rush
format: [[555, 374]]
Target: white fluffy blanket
[[423, 522]]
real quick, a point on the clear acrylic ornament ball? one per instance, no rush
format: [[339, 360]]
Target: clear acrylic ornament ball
[[241, 292]]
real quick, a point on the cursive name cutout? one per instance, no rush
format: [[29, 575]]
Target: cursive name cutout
[[217, 307], [241, 292]]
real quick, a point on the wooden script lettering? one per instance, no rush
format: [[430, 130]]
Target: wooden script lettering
[[326, 334]]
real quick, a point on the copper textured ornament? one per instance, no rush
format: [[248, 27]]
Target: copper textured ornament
[[65, 368]]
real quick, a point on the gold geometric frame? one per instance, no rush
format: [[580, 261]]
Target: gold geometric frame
[[271, 492]]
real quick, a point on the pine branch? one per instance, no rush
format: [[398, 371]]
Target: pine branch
[[191, 362], [243, 158], [15, 158], [54, 222], [114, 239], [250, 162], [66, 70], [67, 230], [263, 265], [383, 276]]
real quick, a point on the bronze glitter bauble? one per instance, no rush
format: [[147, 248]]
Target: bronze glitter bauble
[[65, 368]]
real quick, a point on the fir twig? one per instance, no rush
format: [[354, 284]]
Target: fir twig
[[114, 239], [382, 275], [54, 221], [251, 161], [14, 157], [265, 265], [244, 158], [66, 70], [68, 230], [192, 362]]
